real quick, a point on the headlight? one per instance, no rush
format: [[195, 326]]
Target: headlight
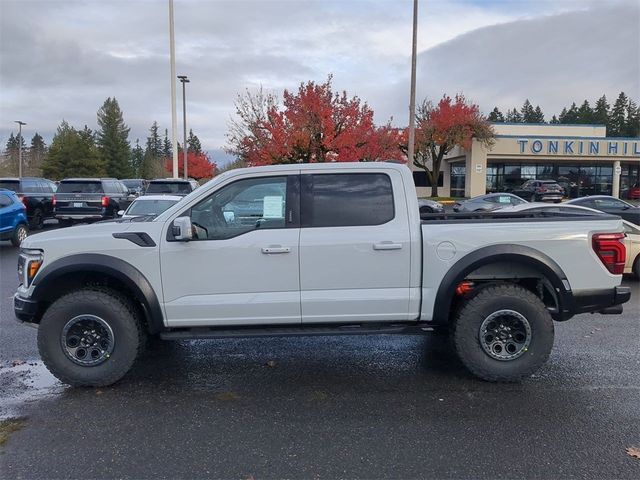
[[29, 263]]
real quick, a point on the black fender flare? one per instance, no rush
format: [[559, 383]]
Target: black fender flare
[[117, 268], [500, 253]]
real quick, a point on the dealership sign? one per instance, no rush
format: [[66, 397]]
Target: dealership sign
[[579, 147]]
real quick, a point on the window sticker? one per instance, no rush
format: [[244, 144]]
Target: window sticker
[[273, 207]]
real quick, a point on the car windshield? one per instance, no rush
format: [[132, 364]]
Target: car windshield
[[149, 207], [10, 185], [169, 187], [132, 183], [79, 186]]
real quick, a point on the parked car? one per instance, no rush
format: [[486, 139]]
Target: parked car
[[37, 196], [338, 249], [487, 203], [612, 205], [136, 186], [540, 191], [429, 206], [90, 199], [149, 205], [171, 186], [13, 218], [634, 192]]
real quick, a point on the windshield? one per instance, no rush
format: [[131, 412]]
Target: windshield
[[132, 183], [10, 185], [79, 186], [169, 187], [149, 207]]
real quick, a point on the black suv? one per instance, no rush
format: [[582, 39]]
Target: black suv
[[540, 191], [90, 199], [171, 186], [37, 196]]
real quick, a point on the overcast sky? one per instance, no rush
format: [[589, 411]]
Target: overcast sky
[[61, 59]]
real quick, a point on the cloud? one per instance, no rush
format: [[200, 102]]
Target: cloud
[[61, 59]]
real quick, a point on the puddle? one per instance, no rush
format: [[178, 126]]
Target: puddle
[[25, 383]]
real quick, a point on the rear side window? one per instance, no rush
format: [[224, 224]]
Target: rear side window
[[79, 186], [30, 186], [12, 185], [346, 199], [5, 201]]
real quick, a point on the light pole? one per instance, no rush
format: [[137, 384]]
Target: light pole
[[184, 80], [412, 95], [174, 120], [20, 124]]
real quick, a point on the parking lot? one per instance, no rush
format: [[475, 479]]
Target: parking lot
[[356, 407]]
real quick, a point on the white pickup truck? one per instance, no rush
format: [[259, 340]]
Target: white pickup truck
[[317, 249]]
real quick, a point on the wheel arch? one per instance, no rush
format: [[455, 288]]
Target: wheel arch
[[90, 269], [518, 256]]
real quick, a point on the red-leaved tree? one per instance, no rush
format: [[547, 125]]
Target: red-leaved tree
[[453, 122], [314, 124], [199, 165]]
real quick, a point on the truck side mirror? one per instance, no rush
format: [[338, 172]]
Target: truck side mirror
[[182, 229]]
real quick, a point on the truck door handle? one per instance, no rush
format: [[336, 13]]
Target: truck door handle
[[275, 249], [387, 246]]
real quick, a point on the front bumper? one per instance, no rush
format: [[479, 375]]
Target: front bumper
[[594, 301], [25, 310]]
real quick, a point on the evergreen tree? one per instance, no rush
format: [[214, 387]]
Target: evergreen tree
[[495, 115], [569, 116], [12, 154], [632, 125], [73, 153], [113, 139], [538, 116], [554, 120], [193, 143], [167, 150], [137, 158], [37, 154], [527, 112], [152, 164], [513, 116], [617, 119], [601, 111], [585, 113]]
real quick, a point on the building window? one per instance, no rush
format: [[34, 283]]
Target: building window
[[421, 179], [458, 177]]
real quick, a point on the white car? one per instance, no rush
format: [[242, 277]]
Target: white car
[[149, 205], [632, 232]]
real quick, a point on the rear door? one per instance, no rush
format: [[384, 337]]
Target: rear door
[[354, 247]]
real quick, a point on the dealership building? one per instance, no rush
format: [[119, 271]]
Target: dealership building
[[581, 158]]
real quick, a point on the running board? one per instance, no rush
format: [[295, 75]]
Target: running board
[[290, 331]]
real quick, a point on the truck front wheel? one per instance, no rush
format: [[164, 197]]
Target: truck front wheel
[[503, 334], [90, 337]]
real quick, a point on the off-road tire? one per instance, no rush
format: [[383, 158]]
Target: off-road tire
[[112, 307], [20, 230], [473, 312]]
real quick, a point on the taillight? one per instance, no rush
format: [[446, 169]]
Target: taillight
[[22, 199], [610, 250], [54, 201], [105, 201]]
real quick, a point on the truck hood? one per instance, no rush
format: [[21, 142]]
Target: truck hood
[[94, 237]]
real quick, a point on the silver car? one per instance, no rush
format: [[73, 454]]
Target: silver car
[[488, 203]]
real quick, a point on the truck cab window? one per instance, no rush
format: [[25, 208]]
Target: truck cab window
[[241, 207]]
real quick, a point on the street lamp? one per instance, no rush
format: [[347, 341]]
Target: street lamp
[[412, 94], [184, 80], [20, 124], [174, 120]]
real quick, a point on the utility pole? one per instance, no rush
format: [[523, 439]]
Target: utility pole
[[412, 95], [20, 124], [174, 119], [184, 80]]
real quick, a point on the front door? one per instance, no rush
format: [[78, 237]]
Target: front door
[[354, 247], [242, 267]]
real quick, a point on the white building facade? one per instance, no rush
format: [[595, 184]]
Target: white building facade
[[581, 158]]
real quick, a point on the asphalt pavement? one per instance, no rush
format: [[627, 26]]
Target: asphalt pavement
[[350, 407]]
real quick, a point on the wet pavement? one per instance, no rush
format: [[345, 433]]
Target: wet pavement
[[355, 407]]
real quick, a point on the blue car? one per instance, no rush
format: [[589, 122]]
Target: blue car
[[13, 218]]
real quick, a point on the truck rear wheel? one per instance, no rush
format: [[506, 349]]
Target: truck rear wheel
[[503, 334], [90, 337]]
